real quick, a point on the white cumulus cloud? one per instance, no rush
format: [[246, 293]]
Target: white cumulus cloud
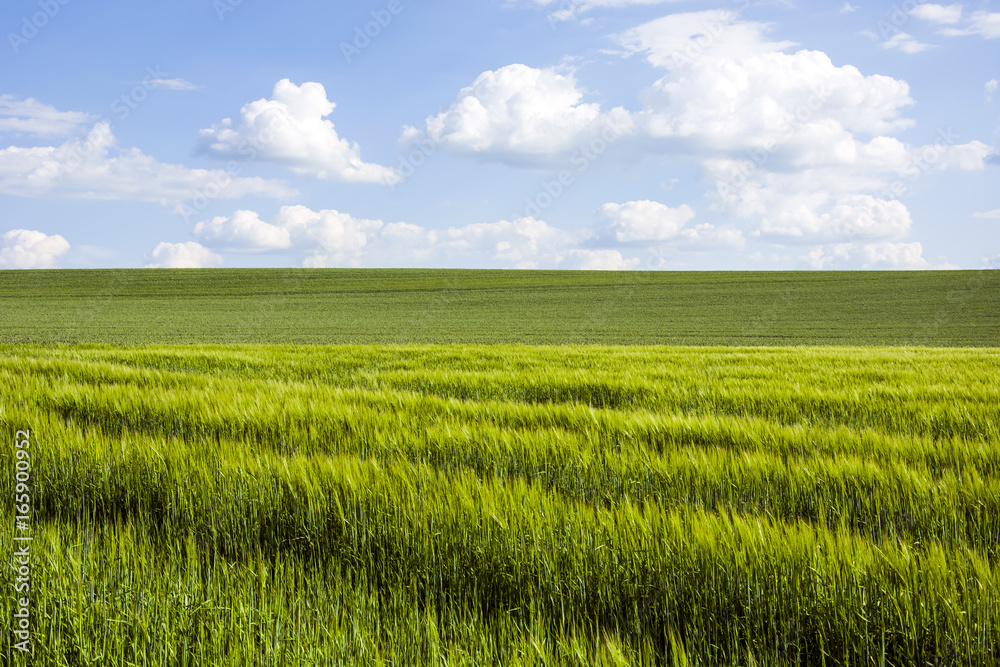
[[94, 167], [884, 255], [188, 255], [291, 129], [823, 167], [513, 241], [597, 260], [30, 249], [644, 220], [326, 238], [329, 238], [243, 231], [851, 217], [729, 88], [522, 116], [705, 236]]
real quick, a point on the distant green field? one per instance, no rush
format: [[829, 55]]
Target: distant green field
[[505, 505], [319, 306]]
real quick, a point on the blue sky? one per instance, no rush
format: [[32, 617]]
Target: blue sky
[[594, 134]]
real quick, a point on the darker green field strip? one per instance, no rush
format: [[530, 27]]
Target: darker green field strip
[[359, 306]]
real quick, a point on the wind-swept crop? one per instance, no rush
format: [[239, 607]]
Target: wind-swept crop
[[509, 505]]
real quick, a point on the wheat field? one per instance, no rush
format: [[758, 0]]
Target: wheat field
[[411, 505]]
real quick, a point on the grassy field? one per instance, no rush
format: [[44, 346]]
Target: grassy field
[[509, 504], [313, 306]]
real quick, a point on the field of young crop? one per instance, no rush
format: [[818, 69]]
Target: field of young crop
[[504, 504], [398, 307]]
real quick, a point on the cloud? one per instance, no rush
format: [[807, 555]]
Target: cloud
[[171, 84], [243, 231], [991, 262], [566, 10], [188, 255], [334, 238], [989, 89], [973, 156], [521, 116], [851, 217], [988, 215], [982, 23], [944, 14], [886, 255], [728, 88], [705, 236], [679, 40], [512, 241], [326, 238], [95, 168], [643, 221], [845, 195], [906, 43], [291, 129], [597, 260], [822, 167], [32, 117], [28, 249], [848, 8]]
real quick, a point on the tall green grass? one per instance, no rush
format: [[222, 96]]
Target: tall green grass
[[509, 505]]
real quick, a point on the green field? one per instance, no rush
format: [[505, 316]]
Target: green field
[[336, 306], [255, 505], [291, 467]]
